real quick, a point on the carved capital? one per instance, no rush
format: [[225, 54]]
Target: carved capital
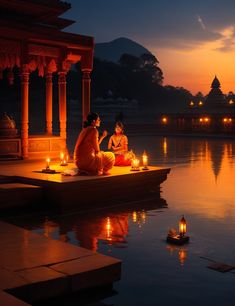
[[86, 74], [48, 77], [24, 74], [62, 77]]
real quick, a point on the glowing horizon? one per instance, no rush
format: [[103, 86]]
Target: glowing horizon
[[195, 68]]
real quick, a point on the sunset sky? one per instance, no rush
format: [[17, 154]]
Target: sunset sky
[[193, 41]]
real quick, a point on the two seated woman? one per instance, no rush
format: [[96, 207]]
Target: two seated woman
[[87, 154]]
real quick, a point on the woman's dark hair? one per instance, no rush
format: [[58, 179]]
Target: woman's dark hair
[[90, 117], [120, 125]]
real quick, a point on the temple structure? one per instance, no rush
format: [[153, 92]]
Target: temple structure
[[31, 38], [215, 114]]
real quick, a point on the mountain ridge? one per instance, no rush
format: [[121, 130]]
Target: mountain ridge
[[112, 51]]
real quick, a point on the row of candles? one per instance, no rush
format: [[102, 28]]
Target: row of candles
[[64, 159], [135, 163]]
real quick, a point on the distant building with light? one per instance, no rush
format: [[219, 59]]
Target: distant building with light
[[216, 114]]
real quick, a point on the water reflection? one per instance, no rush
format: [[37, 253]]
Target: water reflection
[[109, 227], [212, 153], [181, 253], [201, 186]]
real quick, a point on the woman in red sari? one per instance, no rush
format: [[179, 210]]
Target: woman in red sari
[[87, 155], [118, 143]]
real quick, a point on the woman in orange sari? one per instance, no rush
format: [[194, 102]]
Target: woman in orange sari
[[87, 155]]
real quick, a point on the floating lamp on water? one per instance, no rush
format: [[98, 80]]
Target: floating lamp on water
[[182, 226], [135, 164], [63, 161], [145, 161], [48, 169], [180, 238]]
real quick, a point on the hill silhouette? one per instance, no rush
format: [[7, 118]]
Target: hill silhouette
[[112, 51]]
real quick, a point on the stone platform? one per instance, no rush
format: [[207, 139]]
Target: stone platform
[[33, 267], [79, 192]]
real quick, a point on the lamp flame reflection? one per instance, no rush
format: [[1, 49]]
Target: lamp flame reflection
[[181, 252], [108, 229], [139, 217]]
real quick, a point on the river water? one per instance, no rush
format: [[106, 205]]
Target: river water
[[201, 185]]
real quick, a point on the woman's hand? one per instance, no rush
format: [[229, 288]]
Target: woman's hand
[[105, 133]]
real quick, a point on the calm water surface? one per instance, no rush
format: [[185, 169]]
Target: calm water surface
[[201, 186]]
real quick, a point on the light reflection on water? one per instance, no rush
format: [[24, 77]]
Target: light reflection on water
[[200, 186]]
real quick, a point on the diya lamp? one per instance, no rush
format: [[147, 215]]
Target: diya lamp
[[180, 238], [48, 169], [63, 160], [135, 164], [145, 161], [182, 226]]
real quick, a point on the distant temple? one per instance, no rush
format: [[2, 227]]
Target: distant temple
[[214, 115], [31, 38]]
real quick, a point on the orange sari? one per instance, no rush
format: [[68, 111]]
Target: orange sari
[[87, 155]]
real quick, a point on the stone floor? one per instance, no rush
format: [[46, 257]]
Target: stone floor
[[33, 267]]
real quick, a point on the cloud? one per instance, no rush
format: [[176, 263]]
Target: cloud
[[200, 21], [227, 41]]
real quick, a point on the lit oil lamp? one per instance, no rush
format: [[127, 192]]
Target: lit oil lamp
[[48, 163], [63, 161], [135, 164], [145, 161], [182, 226], [48, 169], [180, 238]]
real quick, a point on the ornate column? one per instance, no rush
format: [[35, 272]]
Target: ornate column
[[62, 103], [49, 103], [86, 92], [24, 76]]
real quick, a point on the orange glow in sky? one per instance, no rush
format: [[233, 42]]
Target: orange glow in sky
[[195, 68]]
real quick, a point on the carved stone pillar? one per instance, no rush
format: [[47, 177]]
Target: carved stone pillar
[[49, 103], [86, 93], [24, 76], [62, 103]]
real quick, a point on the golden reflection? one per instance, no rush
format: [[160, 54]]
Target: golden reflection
[[182, 256], [180, 251], [139, 217], [108, 229], [165, 146], [49, 228], [134, 216], [208, 183]]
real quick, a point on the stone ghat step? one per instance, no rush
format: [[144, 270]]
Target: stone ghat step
[[15, 195], [9, 300], [33, 267]]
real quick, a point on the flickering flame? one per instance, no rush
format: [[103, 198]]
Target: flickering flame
[[48, 162], [135, 163], [182, 226], [145, 159]]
